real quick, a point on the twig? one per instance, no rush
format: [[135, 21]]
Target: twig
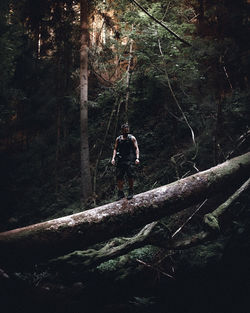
[[183, 114], [241, 140], [194, 166], [178, 104], [196, 15], [190, 217], [154, 268], [227, 76], [166, 11]]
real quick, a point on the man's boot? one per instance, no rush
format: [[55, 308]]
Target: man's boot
[[120, 195], [130, 193]]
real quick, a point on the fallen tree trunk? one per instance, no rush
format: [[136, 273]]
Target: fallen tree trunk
[[78, 231], [148, 236], [211, 220]]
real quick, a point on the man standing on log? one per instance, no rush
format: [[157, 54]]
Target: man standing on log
[[125, 156]]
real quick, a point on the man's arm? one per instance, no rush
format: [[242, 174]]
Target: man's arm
[[114, 152], [137, 152]]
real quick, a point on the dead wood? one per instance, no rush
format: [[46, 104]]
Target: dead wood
[[113, 249], [211, 221], [78, 231], [148, 235]]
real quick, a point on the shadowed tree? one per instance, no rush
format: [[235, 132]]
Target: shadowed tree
[[85, 167]]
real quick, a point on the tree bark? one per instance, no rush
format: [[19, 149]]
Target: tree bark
[[129, 71], [85, 166], [78, 231], [212, 221], [114, 248]]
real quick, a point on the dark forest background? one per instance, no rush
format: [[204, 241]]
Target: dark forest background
[[187, 103], [173, 88]]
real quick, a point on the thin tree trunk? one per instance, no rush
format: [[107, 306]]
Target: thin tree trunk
[[85, 165], [130, 60], [78, 231]]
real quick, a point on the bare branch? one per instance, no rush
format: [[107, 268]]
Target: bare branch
[[154, 268], [239, 141], [190, 217], [178, 104], [211, 219], [160, 23]]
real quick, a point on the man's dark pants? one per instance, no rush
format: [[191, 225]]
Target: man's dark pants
[[124, 168]]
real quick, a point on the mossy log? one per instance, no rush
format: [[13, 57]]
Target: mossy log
[[78, 231], [211, 221], [114, 248]]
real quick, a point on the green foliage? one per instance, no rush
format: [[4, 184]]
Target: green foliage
[[170, 84], [236, 113], [124, 267], [10, 49]]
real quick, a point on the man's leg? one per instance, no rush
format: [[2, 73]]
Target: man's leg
[[130, 174], [131, 183], [120, 189], [131, 188], [120, 182]]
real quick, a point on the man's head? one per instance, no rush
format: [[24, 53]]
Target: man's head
[[125, 129]]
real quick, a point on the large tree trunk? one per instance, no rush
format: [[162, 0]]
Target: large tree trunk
[[85, 166], [77, 231]]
